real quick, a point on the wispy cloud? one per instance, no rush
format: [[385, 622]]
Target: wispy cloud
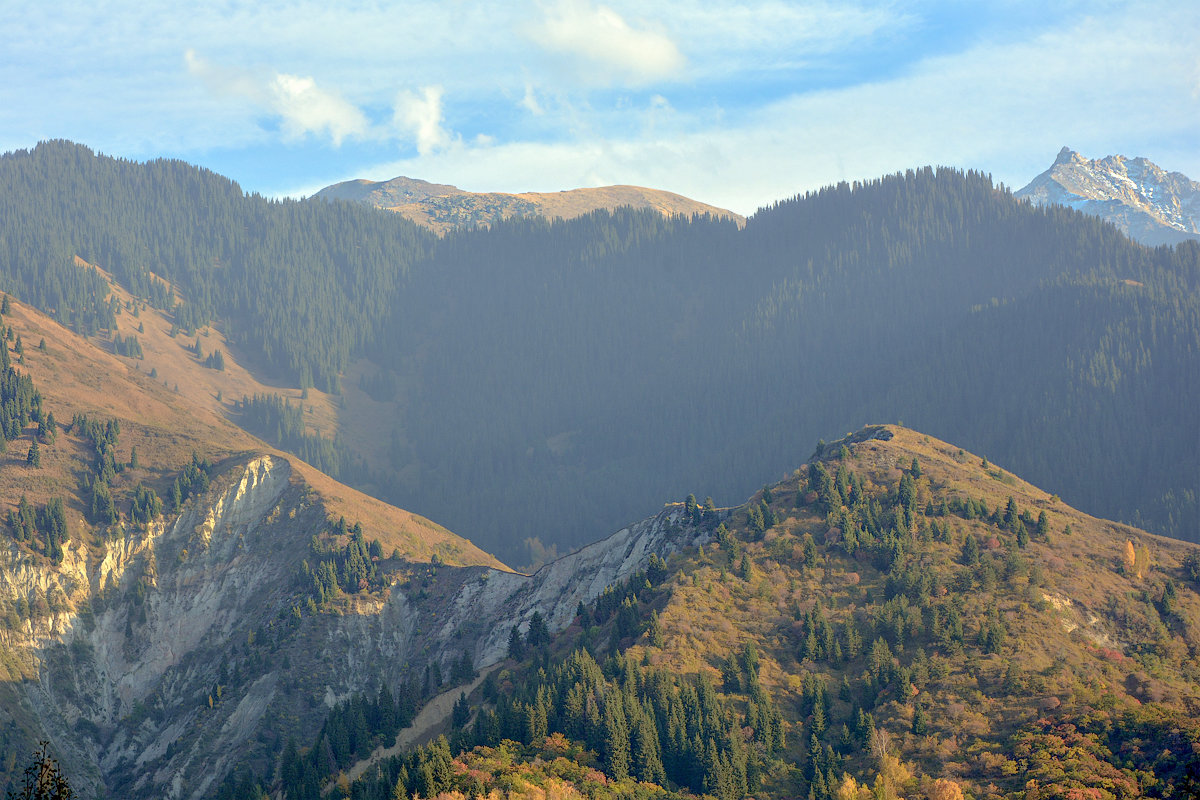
[[530, 101], [1102, 85], [306, 108], [605, 47], [420, 115], [736, 102], [302, 107]]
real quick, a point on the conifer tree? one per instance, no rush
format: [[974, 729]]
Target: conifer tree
[[654, 632], [970, 550], [616, 739], [920, 723], [538, 634], [516, 646]]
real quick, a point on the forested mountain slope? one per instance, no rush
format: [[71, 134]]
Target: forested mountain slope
[[143, 539], [550, 380], [298, 284], [612, 357], [899, 618]]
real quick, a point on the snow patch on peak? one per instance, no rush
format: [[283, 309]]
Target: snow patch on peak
[[1148, 203]]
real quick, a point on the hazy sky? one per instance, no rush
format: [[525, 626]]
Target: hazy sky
[[736, 104]]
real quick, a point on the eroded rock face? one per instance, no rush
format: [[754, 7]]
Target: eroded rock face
[[124, 622], [557, 589], [159, 663]]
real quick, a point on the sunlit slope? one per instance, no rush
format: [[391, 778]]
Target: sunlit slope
[[899, 618], [180, 411], [444, 208]]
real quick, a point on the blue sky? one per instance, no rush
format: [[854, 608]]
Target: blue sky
[[736, 104]]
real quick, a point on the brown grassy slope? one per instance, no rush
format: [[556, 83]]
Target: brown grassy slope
[[176, 365], [442, 208], [1084, 642], [75, 375]]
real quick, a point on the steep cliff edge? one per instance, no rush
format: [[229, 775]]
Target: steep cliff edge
[[171, 653]]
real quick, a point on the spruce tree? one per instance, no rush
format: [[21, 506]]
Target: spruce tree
[[654, 633], [516, 646], [920, 723], [48, 428], [616, 739]]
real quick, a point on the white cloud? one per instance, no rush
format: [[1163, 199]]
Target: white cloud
[[302, 106], [305, 108], [612, 50], [224, 81], [748, 119], [421, 116], [1102, 85], [530, 102]]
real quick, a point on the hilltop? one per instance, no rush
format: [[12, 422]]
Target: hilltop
[[443, 208]]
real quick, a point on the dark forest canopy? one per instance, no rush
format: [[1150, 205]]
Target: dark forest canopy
[[563, 378]]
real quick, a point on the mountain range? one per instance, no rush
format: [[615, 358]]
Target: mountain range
[[537, 384], [1148, 203], [190, 607]]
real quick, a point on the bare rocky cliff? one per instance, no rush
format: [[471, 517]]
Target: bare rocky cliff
[[1148, 203], [159, 663]]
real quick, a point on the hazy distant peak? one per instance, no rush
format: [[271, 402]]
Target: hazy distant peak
[[1066, 156], [442, 207], [387, 194], [1135, 194]]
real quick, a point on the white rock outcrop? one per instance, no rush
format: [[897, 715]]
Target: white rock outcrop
[[179, 646]]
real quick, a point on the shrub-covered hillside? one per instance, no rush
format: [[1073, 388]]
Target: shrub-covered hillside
[[899, 619]]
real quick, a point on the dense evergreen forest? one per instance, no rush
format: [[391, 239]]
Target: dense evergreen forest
[[562, 378], [300, 284], [607, 363]]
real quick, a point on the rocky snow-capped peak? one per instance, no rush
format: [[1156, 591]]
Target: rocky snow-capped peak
[[1150, 204]]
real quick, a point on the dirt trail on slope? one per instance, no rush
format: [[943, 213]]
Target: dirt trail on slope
[[423, 726]]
